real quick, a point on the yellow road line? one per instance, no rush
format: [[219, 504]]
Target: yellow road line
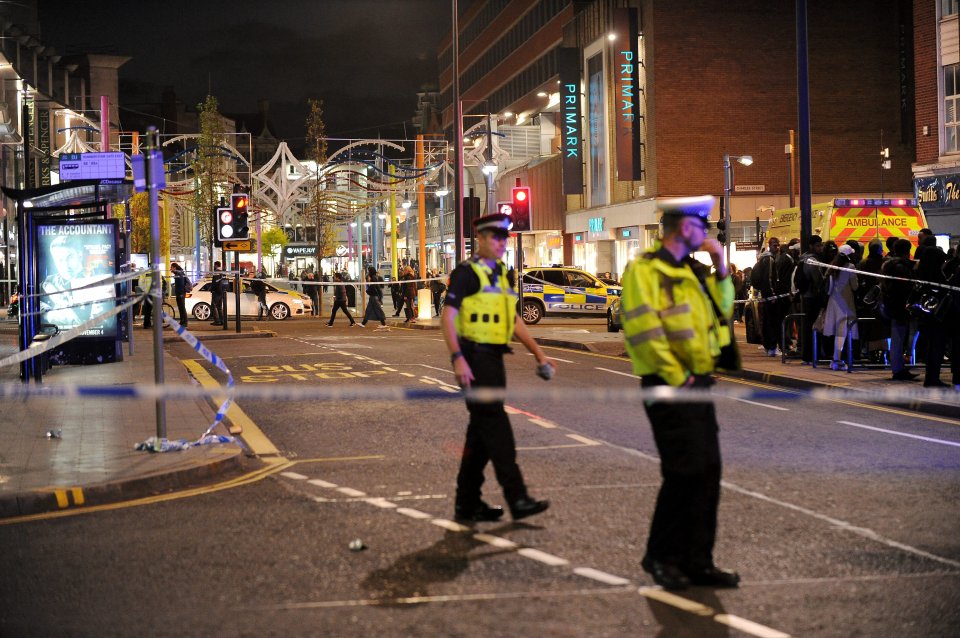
[[273, 466], [252, 435]]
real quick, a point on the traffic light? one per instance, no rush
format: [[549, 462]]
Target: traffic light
[[225, 228], [239, 203], [722, 225], [521, 208]]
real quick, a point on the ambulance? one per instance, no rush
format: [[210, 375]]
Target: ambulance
[[861, 219]]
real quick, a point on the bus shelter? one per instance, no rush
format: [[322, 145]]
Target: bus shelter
[[67, 245]]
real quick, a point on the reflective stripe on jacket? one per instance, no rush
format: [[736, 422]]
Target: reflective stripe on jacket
[[488, 315], [670, 326]]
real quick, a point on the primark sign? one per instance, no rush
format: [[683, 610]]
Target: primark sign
[[571, 121]]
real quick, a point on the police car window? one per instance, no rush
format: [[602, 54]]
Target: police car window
[[532, 276], [554, 277], [580, 280]]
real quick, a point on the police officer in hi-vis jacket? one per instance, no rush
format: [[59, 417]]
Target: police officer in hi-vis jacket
[[675, 321], [479, 319]]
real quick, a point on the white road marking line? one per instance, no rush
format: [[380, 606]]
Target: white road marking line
[[843, 525], [321, 483], [293, 475], [510, 410], [440, 382], [381, 502], [543, 557], [427, 380], [549, 447], [544, 424], [911, 436], [749, 627], [389, 369], [412, 513], [583, 439], [622, 374], [673, 600], [349, 491], [447, 370], [404, 493], [450, 525], [603, 577], [496, 541], [447, 388], [407, 374], [530, 354], [763, 405]]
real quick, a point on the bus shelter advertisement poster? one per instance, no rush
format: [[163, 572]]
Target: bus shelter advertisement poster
[[71, 259]]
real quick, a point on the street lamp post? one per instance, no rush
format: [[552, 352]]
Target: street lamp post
[[442, 193], [406, 225], [746, 160]]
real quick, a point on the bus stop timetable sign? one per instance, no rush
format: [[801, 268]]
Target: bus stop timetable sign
[[92, 166]]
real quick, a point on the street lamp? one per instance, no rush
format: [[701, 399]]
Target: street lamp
[[724, 225], [442, 193]]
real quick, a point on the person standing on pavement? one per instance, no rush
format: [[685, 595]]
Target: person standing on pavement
[[478, 321], [216, 296], [675, 324], [810, 286], [893, 305], [259, 288], [409, 287], [339, 300], [374, 308], [840, 321], [437, 288], [764, 279], [181, 285]]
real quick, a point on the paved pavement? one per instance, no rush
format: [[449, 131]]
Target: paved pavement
[[94, 461]]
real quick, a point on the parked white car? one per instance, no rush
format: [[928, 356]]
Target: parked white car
[[282, 303]]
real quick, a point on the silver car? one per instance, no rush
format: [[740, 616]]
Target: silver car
[[282, 303]]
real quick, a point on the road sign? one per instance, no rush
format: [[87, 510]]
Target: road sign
[[747, 245], [245, 244], [92, 166]]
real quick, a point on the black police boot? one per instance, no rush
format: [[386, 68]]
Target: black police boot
[[477, 513], [526, 506], [666, 575]]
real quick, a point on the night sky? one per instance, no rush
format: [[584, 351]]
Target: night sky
[[366, 59]]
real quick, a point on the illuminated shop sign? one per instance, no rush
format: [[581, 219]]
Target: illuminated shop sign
[[627, 93], [937, 192], [571, 121]]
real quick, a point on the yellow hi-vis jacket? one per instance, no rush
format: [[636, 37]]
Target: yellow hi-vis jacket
[[670, 326], [488, 316]]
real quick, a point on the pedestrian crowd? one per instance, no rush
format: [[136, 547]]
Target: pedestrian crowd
[[830, 304]]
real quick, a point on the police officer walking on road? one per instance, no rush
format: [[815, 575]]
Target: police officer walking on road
[[675, 324], [478, 321]]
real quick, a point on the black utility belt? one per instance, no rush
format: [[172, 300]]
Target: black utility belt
[[475, 346]]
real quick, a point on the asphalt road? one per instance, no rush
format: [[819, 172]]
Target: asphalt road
[[842, 518]]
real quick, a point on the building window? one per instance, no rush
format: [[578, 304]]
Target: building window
[[951, 101], [949, 7]]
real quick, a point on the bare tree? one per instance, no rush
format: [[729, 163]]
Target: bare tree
[[211, 169]]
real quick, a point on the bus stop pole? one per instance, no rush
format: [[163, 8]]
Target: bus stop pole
[[155, 289]]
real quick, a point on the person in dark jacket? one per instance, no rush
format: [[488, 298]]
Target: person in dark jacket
[[340, 301], [931, 259], [374, 308], [437, 288], [894, 306], [409, 287], [764, 281], [260, 290], [218, 301], [181, 285]]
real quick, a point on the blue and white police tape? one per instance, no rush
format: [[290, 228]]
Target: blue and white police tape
[[295, 392], [54, 341], [204, 352]]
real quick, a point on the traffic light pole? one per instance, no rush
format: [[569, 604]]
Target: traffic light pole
[[155, 288], [236, 289]]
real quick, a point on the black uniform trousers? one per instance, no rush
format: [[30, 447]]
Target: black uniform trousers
[[182, 309], [489, 435], [684, 525]]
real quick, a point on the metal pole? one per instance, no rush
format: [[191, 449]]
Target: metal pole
[[421, 211], [803, 109], [489, 172], [457, 139], [236, 289], [727, 186], [128, 285], [155, 290]]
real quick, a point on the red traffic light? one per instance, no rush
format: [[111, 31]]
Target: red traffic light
[[520, 195], [521, 209]]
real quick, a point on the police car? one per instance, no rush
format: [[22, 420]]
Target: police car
[[564, 291]]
